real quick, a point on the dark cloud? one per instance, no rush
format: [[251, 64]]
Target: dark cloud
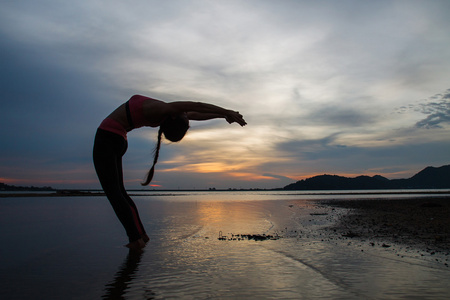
[[339, 115], [314, 149], [438, 111], [434, 120], [324, 156], [280, 177], [49, 112]]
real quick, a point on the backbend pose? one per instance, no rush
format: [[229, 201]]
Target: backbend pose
[[111, 144]]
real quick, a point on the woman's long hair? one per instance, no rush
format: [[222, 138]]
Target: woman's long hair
[[174, 130]]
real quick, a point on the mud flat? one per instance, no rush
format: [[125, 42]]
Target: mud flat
[[418, 227]]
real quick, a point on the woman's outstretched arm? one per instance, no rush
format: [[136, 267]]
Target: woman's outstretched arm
[[204, 111]]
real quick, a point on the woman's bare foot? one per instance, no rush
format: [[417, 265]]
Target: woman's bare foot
[[145, 238], [136, 245]]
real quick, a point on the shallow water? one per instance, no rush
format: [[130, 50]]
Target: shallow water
[[70, 248]]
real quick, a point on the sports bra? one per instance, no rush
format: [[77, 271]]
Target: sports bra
[[135, 113], [135, 117]]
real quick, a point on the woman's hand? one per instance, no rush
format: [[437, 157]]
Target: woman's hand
[[235, 116]]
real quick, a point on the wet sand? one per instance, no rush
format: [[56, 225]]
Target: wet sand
[[418, 227]]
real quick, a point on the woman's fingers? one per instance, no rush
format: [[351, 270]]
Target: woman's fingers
[[240, 120], [235, 116]]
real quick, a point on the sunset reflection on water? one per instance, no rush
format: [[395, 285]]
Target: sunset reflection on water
[[192, 262], [185, 259], [233, 217]]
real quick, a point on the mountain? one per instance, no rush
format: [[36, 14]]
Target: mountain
[[428, 178], [431, 176]]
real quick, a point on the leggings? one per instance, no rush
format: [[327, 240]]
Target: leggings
[[108, 151]]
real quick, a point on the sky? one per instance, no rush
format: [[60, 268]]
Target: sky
[[326, 87]]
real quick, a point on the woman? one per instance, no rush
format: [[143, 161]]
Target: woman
[[111, 144]]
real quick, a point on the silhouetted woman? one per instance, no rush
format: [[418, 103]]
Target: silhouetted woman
[[111, 144]]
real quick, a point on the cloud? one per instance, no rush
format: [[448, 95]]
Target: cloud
[[326, 156], [280, 177], [339, 115], [316, 81], [313, 149], [433, 120], [436, 108], [438, 111]]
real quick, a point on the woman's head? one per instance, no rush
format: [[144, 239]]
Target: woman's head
[[174, 130]]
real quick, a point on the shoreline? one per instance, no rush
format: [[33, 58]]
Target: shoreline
[[62, 193], [79, 193]]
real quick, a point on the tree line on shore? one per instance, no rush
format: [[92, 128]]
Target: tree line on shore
[[7, 187]]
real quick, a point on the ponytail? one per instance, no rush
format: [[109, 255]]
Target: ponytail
[[155, 159], [174, 130]]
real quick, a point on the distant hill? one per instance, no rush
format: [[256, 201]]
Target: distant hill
[[6, 187], [428, 178]]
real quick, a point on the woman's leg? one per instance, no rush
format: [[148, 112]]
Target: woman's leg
[[133, 207], [108, 151]]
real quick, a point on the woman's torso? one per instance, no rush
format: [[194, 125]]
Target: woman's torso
[[118, 121]]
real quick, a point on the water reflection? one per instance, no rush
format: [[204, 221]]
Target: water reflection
[[186, 260], [123, 279], [241, 217]]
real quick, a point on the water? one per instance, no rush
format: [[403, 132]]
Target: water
[[71, 248], [286, 195]]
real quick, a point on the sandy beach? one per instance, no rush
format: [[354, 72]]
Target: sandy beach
[[72, 248]]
